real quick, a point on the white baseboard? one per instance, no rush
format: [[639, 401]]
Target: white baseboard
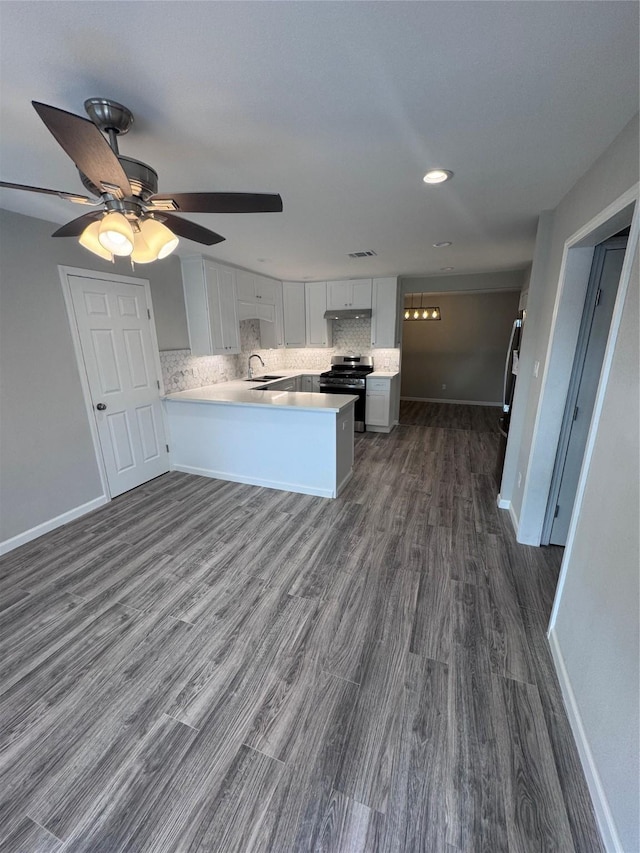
[[255, 481], [503, 503], [457, 402], [344, 481], [606, 823], [51, 524]]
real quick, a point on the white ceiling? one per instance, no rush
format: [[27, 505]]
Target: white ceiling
[[340, 107]]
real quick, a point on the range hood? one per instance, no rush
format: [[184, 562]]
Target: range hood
[[348, 314]]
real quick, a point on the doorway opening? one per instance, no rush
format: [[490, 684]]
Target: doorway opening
[[595, 325]]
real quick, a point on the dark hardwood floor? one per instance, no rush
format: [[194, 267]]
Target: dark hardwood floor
[[207, 666]]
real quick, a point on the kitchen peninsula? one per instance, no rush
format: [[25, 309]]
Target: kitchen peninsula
[[289, 440]]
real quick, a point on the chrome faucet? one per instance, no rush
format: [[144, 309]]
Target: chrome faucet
[[249, 368]]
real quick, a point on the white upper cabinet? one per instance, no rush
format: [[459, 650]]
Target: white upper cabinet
[[319, 330], [210, 301], [385, 320], [351, 293], [260, 298], [252, 287], [294, 314]]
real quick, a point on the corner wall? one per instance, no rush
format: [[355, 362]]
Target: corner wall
[[596, 630], [47, 461]]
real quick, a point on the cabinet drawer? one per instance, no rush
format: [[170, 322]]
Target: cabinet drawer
[[378, 385]]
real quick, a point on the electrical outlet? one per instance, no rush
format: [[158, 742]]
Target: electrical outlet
[[444, 387], [519, 478], [536, 368]]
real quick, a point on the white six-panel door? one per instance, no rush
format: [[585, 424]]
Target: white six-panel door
[[117, 348]]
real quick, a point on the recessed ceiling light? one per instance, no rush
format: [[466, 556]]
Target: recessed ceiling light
[[437, 176], [446, 269], [442, 244]]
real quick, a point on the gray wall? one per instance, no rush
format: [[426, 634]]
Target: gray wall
[[610, 176], [597, 624], [506, 280], [465, 350], [47, 462]]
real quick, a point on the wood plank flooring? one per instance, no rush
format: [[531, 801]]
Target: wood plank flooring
[[208, 666]]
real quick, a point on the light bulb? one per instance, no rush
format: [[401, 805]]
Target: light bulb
[[425, 314], [407, 314], [89, 239], [142, 253], [115, 234], [437, 176], [158, 237], [435, 315], [416, 315]]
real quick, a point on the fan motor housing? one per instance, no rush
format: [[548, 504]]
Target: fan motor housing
[[143, 179]]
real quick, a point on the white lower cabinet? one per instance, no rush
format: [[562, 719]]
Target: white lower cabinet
[[289, 384], [311, 384], [210, 302], [381, 403]]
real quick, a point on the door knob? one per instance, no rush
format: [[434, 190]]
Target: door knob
[[101, 407]]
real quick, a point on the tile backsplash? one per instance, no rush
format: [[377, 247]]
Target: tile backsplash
[[181, 371]]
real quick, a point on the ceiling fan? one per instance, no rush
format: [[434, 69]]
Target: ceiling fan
[[133, 219]]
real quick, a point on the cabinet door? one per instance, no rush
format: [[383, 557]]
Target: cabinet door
[[196, 305], [279, 317], [318, 329], [266, 290], [214, 308], [230, 329], [384, 320], [377, 412], [293, 313], [339, 294], [306, 383], [361, 296], [245, 286]]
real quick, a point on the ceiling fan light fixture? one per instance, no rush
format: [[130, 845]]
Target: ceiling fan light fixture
[[158, 238], [437, 176], [89, 240], [142, 252], [116, 234]]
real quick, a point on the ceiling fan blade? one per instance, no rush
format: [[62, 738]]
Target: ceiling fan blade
[[221, 202], [189, 230], [75, 197], [77, 226], [87, 147]]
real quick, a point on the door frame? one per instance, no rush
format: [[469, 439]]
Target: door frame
[[575, 268], [65, 272], [574, 384]]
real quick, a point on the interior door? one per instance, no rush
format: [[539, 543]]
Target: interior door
[[117, 348], [592, 341]]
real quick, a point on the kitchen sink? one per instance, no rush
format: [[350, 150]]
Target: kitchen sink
[[264, 378]]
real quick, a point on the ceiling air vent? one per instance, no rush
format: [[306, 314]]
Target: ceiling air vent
[[368, 254]]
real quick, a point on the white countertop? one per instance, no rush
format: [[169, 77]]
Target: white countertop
[[239, 393], [383, 374]]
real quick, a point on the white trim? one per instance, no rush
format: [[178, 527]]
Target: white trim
[[51, 524], [258, 481], [503, 503], [65, 272], [625, 278], [455, 402], [601, 808]]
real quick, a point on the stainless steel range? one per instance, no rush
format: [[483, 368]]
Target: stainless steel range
[[348, 376]]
